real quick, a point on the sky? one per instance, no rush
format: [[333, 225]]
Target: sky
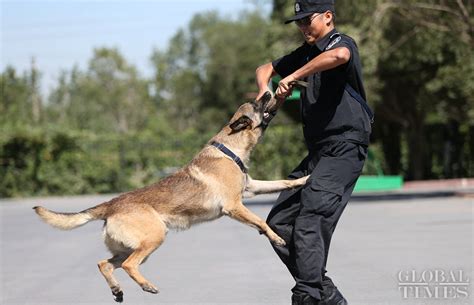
[[62, 33]]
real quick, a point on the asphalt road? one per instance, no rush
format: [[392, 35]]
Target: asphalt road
[[225, 262]]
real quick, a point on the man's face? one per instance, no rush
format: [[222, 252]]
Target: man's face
[[315, 26]]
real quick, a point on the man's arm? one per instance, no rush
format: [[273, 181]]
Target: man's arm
[[325, 61], [263, 75]]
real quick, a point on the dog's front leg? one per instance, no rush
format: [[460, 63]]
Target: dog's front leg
[[256, 187], [239, 212]]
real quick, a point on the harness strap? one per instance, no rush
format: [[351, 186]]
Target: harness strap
[[229, 153], [361, 101]]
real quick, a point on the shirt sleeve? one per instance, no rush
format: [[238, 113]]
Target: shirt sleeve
[[289, 63], [348, 42], [353, 67]]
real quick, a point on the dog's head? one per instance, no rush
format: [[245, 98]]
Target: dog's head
[[252, 117], [246, 126]]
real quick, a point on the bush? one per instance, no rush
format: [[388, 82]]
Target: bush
[[68, 162]]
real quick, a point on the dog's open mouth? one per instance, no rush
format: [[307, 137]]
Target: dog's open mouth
[[267, 107], [268, 115], [270, 110]]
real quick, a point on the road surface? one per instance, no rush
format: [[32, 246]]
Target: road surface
[[225, 262]]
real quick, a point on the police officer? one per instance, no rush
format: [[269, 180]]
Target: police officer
[[336, 127]]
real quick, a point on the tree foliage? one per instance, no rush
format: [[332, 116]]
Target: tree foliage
[[208, 68], [420, 76], [110, 96]]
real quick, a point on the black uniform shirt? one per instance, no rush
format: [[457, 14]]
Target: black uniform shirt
[[328, 111]]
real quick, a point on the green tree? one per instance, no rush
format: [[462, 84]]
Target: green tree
[[110, 96], [208, 69], [418, 70], [427, 73], [21, 101]]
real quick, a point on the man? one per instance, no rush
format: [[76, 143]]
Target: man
[[336, 126]]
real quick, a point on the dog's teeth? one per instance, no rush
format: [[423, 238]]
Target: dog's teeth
[[266, 115]]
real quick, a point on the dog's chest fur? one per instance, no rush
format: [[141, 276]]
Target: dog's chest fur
[[202, 192]]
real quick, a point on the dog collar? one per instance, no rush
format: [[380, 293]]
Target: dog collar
[[229, 153]]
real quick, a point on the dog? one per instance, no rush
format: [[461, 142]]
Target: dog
[[210, 186]]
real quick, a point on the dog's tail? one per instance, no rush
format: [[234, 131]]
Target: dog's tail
[[68, 221]]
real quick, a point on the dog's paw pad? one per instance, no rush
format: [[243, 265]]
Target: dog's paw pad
[[150, 289]]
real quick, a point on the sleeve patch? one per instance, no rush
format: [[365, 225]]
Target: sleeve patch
[[333, 43]]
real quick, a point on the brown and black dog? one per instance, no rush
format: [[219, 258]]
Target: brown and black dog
[[210, 186]]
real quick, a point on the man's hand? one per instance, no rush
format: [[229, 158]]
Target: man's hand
[[284, 88]]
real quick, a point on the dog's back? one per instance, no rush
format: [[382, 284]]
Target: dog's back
[[191, 195]]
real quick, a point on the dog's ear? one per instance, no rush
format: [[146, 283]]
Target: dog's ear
[[241, 123], [266, 97]]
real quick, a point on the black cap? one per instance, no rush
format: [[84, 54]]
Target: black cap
[[305, 8]]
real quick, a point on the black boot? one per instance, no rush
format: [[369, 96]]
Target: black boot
[[303, 299], [331, 295]]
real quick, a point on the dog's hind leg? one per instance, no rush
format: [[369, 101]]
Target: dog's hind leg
[[134, 235], [141, 231], [130, 265], [107, 267]]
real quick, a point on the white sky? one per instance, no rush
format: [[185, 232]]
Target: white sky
[[60, 34]]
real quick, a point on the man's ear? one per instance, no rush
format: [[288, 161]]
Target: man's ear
[[241, 123], [265, 97]]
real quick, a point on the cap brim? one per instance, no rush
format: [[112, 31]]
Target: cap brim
[[298, 17]]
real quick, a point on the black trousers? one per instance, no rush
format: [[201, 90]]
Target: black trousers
[[306, 217]]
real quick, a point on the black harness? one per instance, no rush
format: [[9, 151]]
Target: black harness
[[229, 153], [361, 101]]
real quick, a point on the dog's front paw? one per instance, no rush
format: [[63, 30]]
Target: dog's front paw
[[301, 181], [278, 241]]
